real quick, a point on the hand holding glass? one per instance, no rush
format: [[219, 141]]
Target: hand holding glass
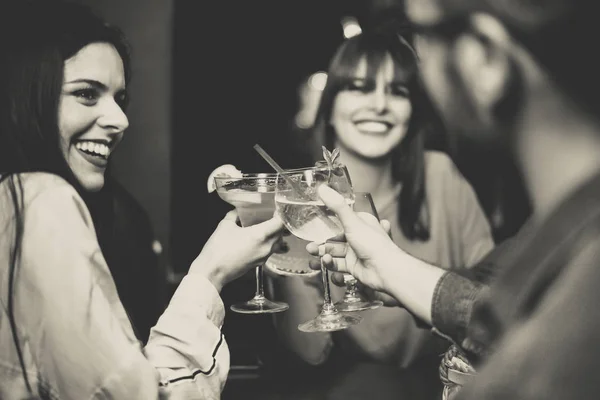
[[305, 216], [354, 300], [253, 197]]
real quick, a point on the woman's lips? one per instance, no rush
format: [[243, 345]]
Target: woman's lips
[[373, 127], [95, 160]]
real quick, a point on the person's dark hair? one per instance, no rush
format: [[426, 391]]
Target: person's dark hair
[[42, 35], [557, 34], [38, 36], [408, 159]]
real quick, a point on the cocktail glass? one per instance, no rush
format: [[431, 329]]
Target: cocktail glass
[[305, 216], [253, 197]]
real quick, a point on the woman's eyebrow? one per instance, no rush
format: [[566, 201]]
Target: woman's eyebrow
[[94, 83], [91, 82]]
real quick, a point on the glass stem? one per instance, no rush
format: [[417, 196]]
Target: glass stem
[[352, 285], [328, 307], [260, 292], [351, 293]]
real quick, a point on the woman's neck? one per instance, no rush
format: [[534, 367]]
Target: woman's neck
[[373, 176]]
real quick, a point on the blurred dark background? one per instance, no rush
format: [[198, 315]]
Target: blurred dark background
[[211, 79]]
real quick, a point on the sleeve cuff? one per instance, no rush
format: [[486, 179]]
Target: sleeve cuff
[[188, 334], [452, 304], [196, 295]]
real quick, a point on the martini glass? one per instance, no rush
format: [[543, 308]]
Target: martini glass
[[253, 197], [353, 299], [306, 217]]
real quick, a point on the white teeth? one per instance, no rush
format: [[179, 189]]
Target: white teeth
[[372, 126], [91, 147]]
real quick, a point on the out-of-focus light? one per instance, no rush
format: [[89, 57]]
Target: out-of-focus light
[[351, 27], [318, 80]]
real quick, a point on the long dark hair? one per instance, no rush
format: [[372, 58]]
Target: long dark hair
[[37, 37], [408, 164]]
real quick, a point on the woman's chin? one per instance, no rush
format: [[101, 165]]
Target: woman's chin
[[91, 182]]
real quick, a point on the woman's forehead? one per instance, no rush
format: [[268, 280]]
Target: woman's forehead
[[370, 66], [97, 61]]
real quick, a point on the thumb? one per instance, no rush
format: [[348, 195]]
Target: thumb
[[271, 226], [231, 216], [387, 227], [336, 203]]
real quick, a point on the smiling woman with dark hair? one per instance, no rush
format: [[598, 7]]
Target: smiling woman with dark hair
[[372, 108], [64, 332]]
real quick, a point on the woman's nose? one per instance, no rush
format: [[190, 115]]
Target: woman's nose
[[379, 99], [113, 117]]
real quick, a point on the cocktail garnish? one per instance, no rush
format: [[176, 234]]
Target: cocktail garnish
[[331, 157], [227, 170]]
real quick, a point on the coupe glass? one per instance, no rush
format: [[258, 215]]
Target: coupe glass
[[253, 197], [306, 217], [354, 300]]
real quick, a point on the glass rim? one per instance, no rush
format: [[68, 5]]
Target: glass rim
[[250, 175], [315, 168], [263, 175]]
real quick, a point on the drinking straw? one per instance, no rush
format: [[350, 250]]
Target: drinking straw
[[297, 190], [280, 170]]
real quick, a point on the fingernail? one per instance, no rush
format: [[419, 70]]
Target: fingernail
[[322, 250], [324, 190]]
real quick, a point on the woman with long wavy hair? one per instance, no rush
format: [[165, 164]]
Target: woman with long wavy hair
[[64, 333]]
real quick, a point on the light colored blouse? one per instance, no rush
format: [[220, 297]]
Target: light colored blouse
[[459, 237], [76, 339]]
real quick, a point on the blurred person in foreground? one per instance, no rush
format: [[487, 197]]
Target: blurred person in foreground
[[520, 74]]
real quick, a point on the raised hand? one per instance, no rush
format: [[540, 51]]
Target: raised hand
[[368, 253], [232, 250]]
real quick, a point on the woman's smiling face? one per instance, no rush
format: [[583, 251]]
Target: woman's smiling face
[[371, 116], [91, 117]]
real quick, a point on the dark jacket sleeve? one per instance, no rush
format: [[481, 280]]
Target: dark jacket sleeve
[[458, 291], [554, 353]]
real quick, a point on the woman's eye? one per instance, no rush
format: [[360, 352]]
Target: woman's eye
[[89, 96], [399, 90], [360, 86]]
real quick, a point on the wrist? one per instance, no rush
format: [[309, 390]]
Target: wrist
[[393, 272], [412, 282], [209, 269]]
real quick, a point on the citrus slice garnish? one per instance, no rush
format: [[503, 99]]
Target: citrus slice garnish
[[292, 259], [226, 170]]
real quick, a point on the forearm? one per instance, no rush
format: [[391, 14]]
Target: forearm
[[413, 283], [305, 303], [440, 298], [187, 344], [207, 266]]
